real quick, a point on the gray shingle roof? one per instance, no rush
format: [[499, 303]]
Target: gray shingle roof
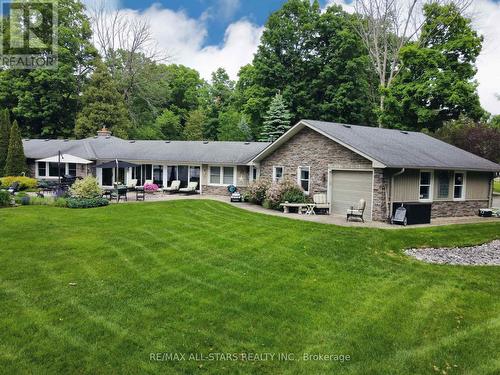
[[397, 149], [110, 148]]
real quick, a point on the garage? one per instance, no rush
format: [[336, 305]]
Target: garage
[[347, 188]]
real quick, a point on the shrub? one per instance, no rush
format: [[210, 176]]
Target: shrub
[[5, 198], [285, 191], [87, 202], [24, 182], [150, 188], [257, 191], [87, 188]]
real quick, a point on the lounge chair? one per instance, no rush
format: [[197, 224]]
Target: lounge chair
[[132, 184], [173, 188], [148, 182], [190, 189], [321, 202], [358, 211]]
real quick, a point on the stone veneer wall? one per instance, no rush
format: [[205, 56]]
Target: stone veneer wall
[[219, 190], [381, 185], [457, 208], [308, 148]]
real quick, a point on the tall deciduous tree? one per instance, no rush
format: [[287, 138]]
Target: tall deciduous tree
[[193, 130], [233, 127], [15, 165], [4, 138], [277, 120], [436, 82], [45, 101], [103, 106]]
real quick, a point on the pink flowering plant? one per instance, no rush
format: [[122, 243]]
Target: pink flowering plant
[[256, 192], [287, 190], [150, 188]]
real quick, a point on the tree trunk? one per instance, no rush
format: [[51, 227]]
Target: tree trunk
[[381, 108]]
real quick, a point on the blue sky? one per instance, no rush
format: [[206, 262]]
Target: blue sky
[[208, 34]]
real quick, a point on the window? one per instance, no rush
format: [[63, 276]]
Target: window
[[222, 175], [158, 175], [304, 180], [72, 169], [254, 173], [53, 169], [278, 173], [215, 175], [458, 186], [171, 174], [194, 174], [228, 177], [425, 185], [42, 169], [443, 184]]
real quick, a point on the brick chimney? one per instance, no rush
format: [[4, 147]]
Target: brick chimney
[[104, 132]]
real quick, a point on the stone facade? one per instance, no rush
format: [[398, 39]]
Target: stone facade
[[308, 148], [219, 190], [457, 208], [381, 179]]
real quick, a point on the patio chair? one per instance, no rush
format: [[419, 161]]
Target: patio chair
[[119, 193], [358, 211], [190, 189], [173, 188], [148, 182], [13, 188], [132, 184], [321, 202]]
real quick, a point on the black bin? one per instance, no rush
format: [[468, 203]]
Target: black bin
[[416, 213]]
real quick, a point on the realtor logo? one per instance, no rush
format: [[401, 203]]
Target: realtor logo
[[28, 37]]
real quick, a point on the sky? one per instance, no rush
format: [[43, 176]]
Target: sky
[[207, 34]]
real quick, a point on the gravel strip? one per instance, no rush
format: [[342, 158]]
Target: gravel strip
[[487, 254]]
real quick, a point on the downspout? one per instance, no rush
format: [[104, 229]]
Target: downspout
[[389, 202]]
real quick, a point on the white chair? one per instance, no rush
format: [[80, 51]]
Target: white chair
[[358, 211], [321, 202], [132, 184], [173, 188], [190, 189], [148, 182]]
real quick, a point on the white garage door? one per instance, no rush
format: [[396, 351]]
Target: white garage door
[[347, 188]]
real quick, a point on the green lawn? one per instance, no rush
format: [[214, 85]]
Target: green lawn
[[496, 186], [205, 277]]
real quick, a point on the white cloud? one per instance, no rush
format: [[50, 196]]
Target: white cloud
[[486, 16]]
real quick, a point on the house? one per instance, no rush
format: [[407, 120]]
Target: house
[[346, 162]]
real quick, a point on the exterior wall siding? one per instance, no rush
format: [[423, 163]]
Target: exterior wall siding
[[311, 149], [457, 208], [477, 185]]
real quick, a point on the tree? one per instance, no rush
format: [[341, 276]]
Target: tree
[[436, 83], [103, 106], [4, 138], [45, 101], [277, 120], [385, 27], [15, 165], [233, 127], [194, 125], [169, 125], [476, 137]]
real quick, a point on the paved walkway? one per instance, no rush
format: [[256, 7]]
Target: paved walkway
[[325, 219]]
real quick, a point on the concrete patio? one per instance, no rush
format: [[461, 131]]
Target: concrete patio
[[324, 219]]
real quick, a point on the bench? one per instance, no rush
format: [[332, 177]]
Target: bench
[[306, 208]]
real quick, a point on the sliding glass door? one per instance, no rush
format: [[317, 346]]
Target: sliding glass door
[[183, 173]]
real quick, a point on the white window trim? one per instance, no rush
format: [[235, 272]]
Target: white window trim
[[299, 179], [221, 175], [47, 171], [282, 172], [462, 198], [431, 183]]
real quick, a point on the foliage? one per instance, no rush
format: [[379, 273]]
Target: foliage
[[86, 188], [476, 137], [25, 183], [150, 188], [86, 202], [257, 189], [496, 186], [195, 125], [42, 201], [276, 120], [45, 101], [4, 138], [103, 106], [169, 125], [285, 190], [436, 83], [15, 164], [233, 127], [5, 198]]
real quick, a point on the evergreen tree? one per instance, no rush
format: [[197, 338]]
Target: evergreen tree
[[194, 125], [4, 138], [103, 106], [276, 120], [15, 164]]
